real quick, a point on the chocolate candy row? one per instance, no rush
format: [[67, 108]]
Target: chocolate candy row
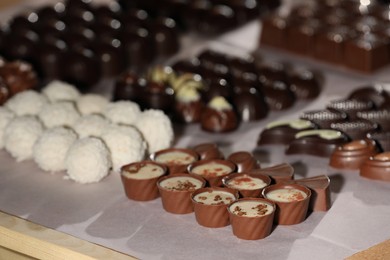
[[219, 90], [353, 34]]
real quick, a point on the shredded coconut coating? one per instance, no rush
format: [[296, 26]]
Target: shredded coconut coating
[[122, 112], [5, 117], [59, 114], [28, 102], [125, 144], [88, 160], [61, 91], [156, 129], [91, 104], [90, 125], [20, 135], [49, 151]]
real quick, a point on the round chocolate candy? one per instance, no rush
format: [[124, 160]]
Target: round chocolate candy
[[378, 95], [158, 96], [50, 59], [250, 104], [18, 76], [110, 58], [219, 116], [352, 155], [377, 167], [166, 38], [381, 117], [356, 128], [128, 87], [351, 106], [320, 142], [208, 151], [304, 84], [324, 118], [4, 92], [278, 95], [382, 139]]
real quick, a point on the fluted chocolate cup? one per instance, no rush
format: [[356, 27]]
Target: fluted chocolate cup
[[247, 184], [139, 179], [213, 170], [291, 206], [212, 212], [244, 161], [252, 218], [176, 189], [176, 159]]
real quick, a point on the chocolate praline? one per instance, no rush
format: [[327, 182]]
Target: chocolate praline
[[350, 106], [278, 95], [381, 117], [50, 59], [166, 38], [216, 118], [158, 96], [4, 92], [250, 104], [355, 128], [110, 58], [377, 167], [18, 76], [351, 155], [324, 118], [378, 95], [208, 151], [244, 161], [304, 84], [283, 132], [320, 142]]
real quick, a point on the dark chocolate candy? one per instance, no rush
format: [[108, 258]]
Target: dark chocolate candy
[[18, 76], [380, 117], [278, 95], [250, 104], [208, 151], [355, 128], [279, 173], [127, 87], [382, 139], [219, 116], [324, 118], [274, 31], [321, 142], [283, 132], [351, 106], [4, 92], [376, 94], [304, 84]]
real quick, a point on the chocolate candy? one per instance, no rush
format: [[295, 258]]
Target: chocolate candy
[[283, 132], [4, 92], [250, 104], [208, 151], [244, 161], [321, 142], [18, 76], [355, 129], [376, 94], [304, 84], [219, 116], [324, 118], [380, 117], [320, 191], [350, 106], [377, 167], [352, 155], [278, 95]]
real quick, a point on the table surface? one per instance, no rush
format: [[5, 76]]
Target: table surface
[[100, 213]]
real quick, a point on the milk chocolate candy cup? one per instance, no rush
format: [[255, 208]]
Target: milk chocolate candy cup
[[244, 161], [175, 168], [212, 216], [290, 213], [351, 155], [208, 151], [212, 180], [278, 173], [141, 189], [245, 193], [178, 201], [377, 167], [252, 228], [320, 191]]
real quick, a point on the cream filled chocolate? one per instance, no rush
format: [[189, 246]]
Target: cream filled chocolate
[[219, 116], [283, 132], [286, 195], [181, 183], [143, 170], [212, 169], [214, 197], [246, 182], [321, 142], [251, 208]]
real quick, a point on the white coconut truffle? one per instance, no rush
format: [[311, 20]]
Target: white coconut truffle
[[88, 160], [20, 135], [156, 129], [122, 112], [125, 144], [49, 151], [59, 114], [5, 117], [91, 104], [28, 102], [90, 125], [61, 91]]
